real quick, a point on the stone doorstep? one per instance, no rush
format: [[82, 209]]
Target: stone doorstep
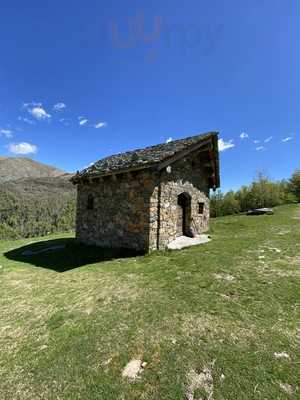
[[184, 241]]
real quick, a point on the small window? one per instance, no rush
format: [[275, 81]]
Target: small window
[[200, 208], [90, 202]]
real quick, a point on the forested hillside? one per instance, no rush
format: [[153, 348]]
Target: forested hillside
[[40, 202]]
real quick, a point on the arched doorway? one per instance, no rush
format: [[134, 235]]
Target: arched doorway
[[184, 214]]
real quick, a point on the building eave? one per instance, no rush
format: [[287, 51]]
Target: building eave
[[211, 140]]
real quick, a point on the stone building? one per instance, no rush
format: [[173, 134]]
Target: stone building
[[144, 199]]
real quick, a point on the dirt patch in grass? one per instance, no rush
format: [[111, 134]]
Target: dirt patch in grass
[[295, 260], [270, 248], [280, 268], [276, 273], [224, 277], [217, 328], [292, 334], [200, 383], [282, 232], [287, 388], [296, 215]]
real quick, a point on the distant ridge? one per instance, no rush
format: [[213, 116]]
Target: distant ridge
[[35, 199], [13, 168]]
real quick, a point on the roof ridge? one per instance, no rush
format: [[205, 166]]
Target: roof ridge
[[200, 135], [143, 157]]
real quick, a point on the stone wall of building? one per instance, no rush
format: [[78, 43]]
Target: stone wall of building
[[120, 215], [184, 176], [140, 210]]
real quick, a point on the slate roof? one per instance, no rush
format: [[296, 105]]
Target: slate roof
[[144, 158]]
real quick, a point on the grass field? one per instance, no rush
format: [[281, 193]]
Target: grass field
[[216, 321]]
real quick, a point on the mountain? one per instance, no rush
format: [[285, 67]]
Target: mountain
[[35, 199], [40, 188], [12, 168]]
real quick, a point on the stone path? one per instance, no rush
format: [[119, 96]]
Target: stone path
[[184, 241]]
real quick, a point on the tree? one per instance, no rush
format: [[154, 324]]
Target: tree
[[261, 193], [231, 204], [216, 201], [295, 184]]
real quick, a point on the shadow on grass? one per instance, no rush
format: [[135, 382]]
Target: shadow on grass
[[62, 255]]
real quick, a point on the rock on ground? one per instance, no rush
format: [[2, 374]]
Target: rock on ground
[[281, 355], [287, 388], [184, 241], [133, 369]]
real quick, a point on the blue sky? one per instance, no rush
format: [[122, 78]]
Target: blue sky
[[83, 80]]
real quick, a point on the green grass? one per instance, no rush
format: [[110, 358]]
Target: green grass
[[71, 320]]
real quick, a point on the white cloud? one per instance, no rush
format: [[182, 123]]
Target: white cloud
[[256, 141], [223, 145], [27, 120], [100, 125], [6, 133], [268, 139], [22, 148], [169, 140], [83, 121], [37, 111], [59, 107], [287, 139], [244, 135], [260, 148]]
